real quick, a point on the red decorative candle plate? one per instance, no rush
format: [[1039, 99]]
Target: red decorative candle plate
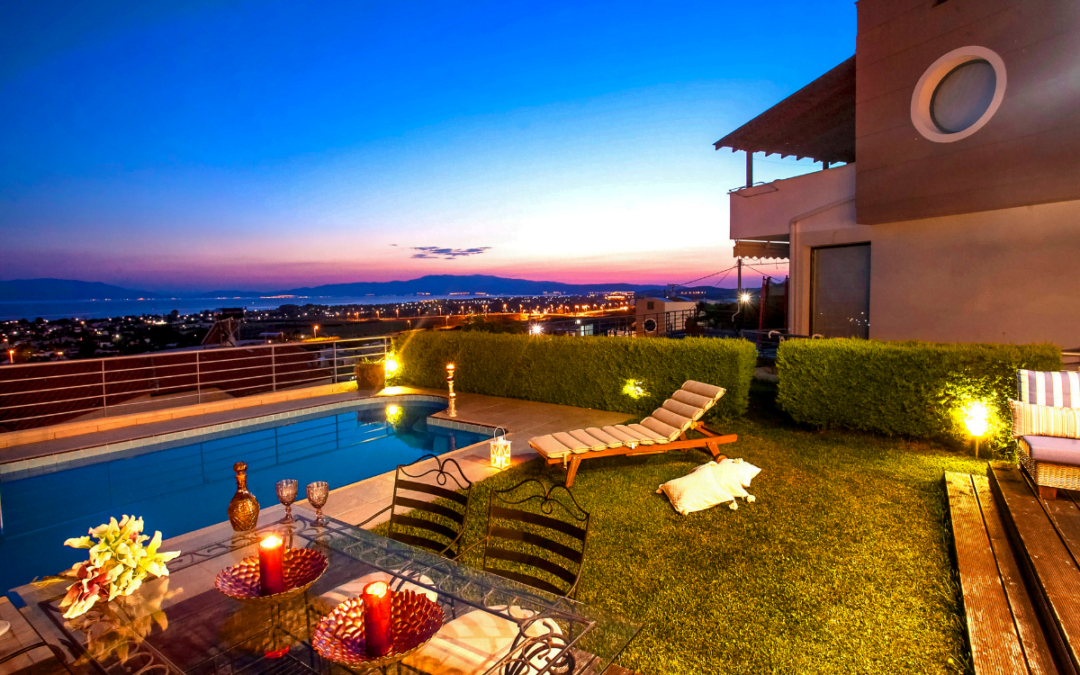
[[339, 637], [302, 566]]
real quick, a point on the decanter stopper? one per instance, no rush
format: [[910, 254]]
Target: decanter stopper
[[244, 508]]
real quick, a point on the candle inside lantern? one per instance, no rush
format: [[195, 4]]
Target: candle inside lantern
[[377, 636], [271, 565]]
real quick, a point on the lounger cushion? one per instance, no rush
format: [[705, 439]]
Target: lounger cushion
[[591, 443], [696, 491], [569, 441], [1054, 450], [692, 399], [683, 409], [622, 435], [643, 435], [1044, 420], [648, 433], [549, 447], [702, 389], [665, 430], [604, 437], [671, 419]]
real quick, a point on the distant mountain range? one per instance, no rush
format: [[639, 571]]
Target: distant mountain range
[[34, 290], [441, 284]]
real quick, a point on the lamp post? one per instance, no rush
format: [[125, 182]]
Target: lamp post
[[450, 383], [316, 331], [11, 355]]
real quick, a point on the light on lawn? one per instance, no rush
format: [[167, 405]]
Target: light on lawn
[[391, 365], [976, 419], [536, 329], [500, 450]]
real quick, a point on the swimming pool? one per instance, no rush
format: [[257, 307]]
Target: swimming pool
[[182, 484]]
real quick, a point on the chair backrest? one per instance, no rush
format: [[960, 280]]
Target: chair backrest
[[1060, 389], [431, 504], [536, 535]]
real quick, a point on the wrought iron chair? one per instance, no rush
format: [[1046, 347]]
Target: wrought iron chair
[[432, 501], [536, 535]]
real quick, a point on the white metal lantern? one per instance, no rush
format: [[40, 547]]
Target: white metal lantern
[[500, 450]]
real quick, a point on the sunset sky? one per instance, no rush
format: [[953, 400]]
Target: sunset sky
[[268, 145]]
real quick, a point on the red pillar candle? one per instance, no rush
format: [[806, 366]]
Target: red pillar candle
[[271, 565], [377, 635]]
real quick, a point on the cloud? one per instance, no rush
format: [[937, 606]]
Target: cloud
[[437, 252]]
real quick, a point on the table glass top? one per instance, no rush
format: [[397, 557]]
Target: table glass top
[[181, 624]]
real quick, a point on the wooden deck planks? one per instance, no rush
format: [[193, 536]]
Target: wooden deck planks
[[992, 633], [1032, 638], [1055, 571]]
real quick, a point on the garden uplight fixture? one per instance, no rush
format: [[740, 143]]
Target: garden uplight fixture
[[976, 419], [536, 329], [391, 365]]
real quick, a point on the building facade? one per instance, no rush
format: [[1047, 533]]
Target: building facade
[[948, 208]]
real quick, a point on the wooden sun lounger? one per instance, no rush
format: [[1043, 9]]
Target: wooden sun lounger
[[662, 431]]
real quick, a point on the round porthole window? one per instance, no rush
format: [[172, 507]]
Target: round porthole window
[[650, 326], [958, 94]]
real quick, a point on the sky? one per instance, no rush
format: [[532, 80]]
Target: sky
[[188, 146]]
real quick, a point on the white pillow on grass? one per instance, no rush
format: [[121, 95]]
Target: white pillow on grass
[[732, 476], [747, 471], [695, 491]]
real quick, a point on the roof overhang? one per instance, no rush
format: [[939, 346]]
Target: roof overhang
[[818, 122]]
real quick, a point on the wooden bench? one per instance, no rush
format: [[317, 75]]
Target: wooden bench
[[1017, 559]]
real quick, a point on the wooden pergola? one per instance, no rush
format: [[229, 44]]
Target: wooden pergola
[[817, 121]]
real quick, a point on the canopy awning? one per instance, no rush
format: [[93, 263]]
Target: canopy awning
[[749, 248], [818, 122]]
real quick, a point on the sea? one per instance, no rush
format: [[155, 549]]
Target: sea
[[101, 309]]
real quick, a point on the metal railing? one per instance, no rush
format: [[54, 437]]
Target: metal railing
[[40, 394]]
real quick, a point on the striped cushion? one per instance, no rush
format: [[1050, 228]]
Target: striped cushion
[[1061, 389], [1044, 420]]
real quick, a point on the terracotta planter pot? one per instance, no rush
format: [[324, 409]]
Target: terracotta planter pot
[[370, 376]]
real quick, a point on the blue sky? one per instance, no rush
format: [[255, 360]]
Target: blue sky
[[265, 145]]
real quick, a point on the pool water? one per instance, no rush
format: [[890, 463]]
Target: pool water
[[185, 485]]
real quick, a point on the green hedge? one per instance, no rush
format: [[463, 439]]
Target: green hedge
[[590, 372], [915, 389]]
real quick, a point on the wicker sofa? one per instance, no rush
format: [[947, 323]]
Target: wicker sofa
[[1052, 462]]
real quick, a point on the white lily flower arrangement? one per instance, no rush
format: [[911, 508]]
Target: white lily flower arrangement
[[118, 564]]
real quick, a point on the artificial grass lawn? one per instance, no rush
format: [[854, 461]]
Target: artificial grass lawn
[[842, 565]]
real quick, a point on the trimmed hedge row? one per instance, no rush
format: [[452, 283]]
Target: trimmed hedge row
[[915, 389], [630, 375]]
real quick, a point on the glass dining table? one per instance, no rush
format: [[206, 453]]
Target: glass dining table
[[181, 624]]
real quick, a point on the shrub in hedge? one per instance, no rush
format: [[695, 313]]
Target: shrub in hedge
[[630, 375], [915, 389]]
